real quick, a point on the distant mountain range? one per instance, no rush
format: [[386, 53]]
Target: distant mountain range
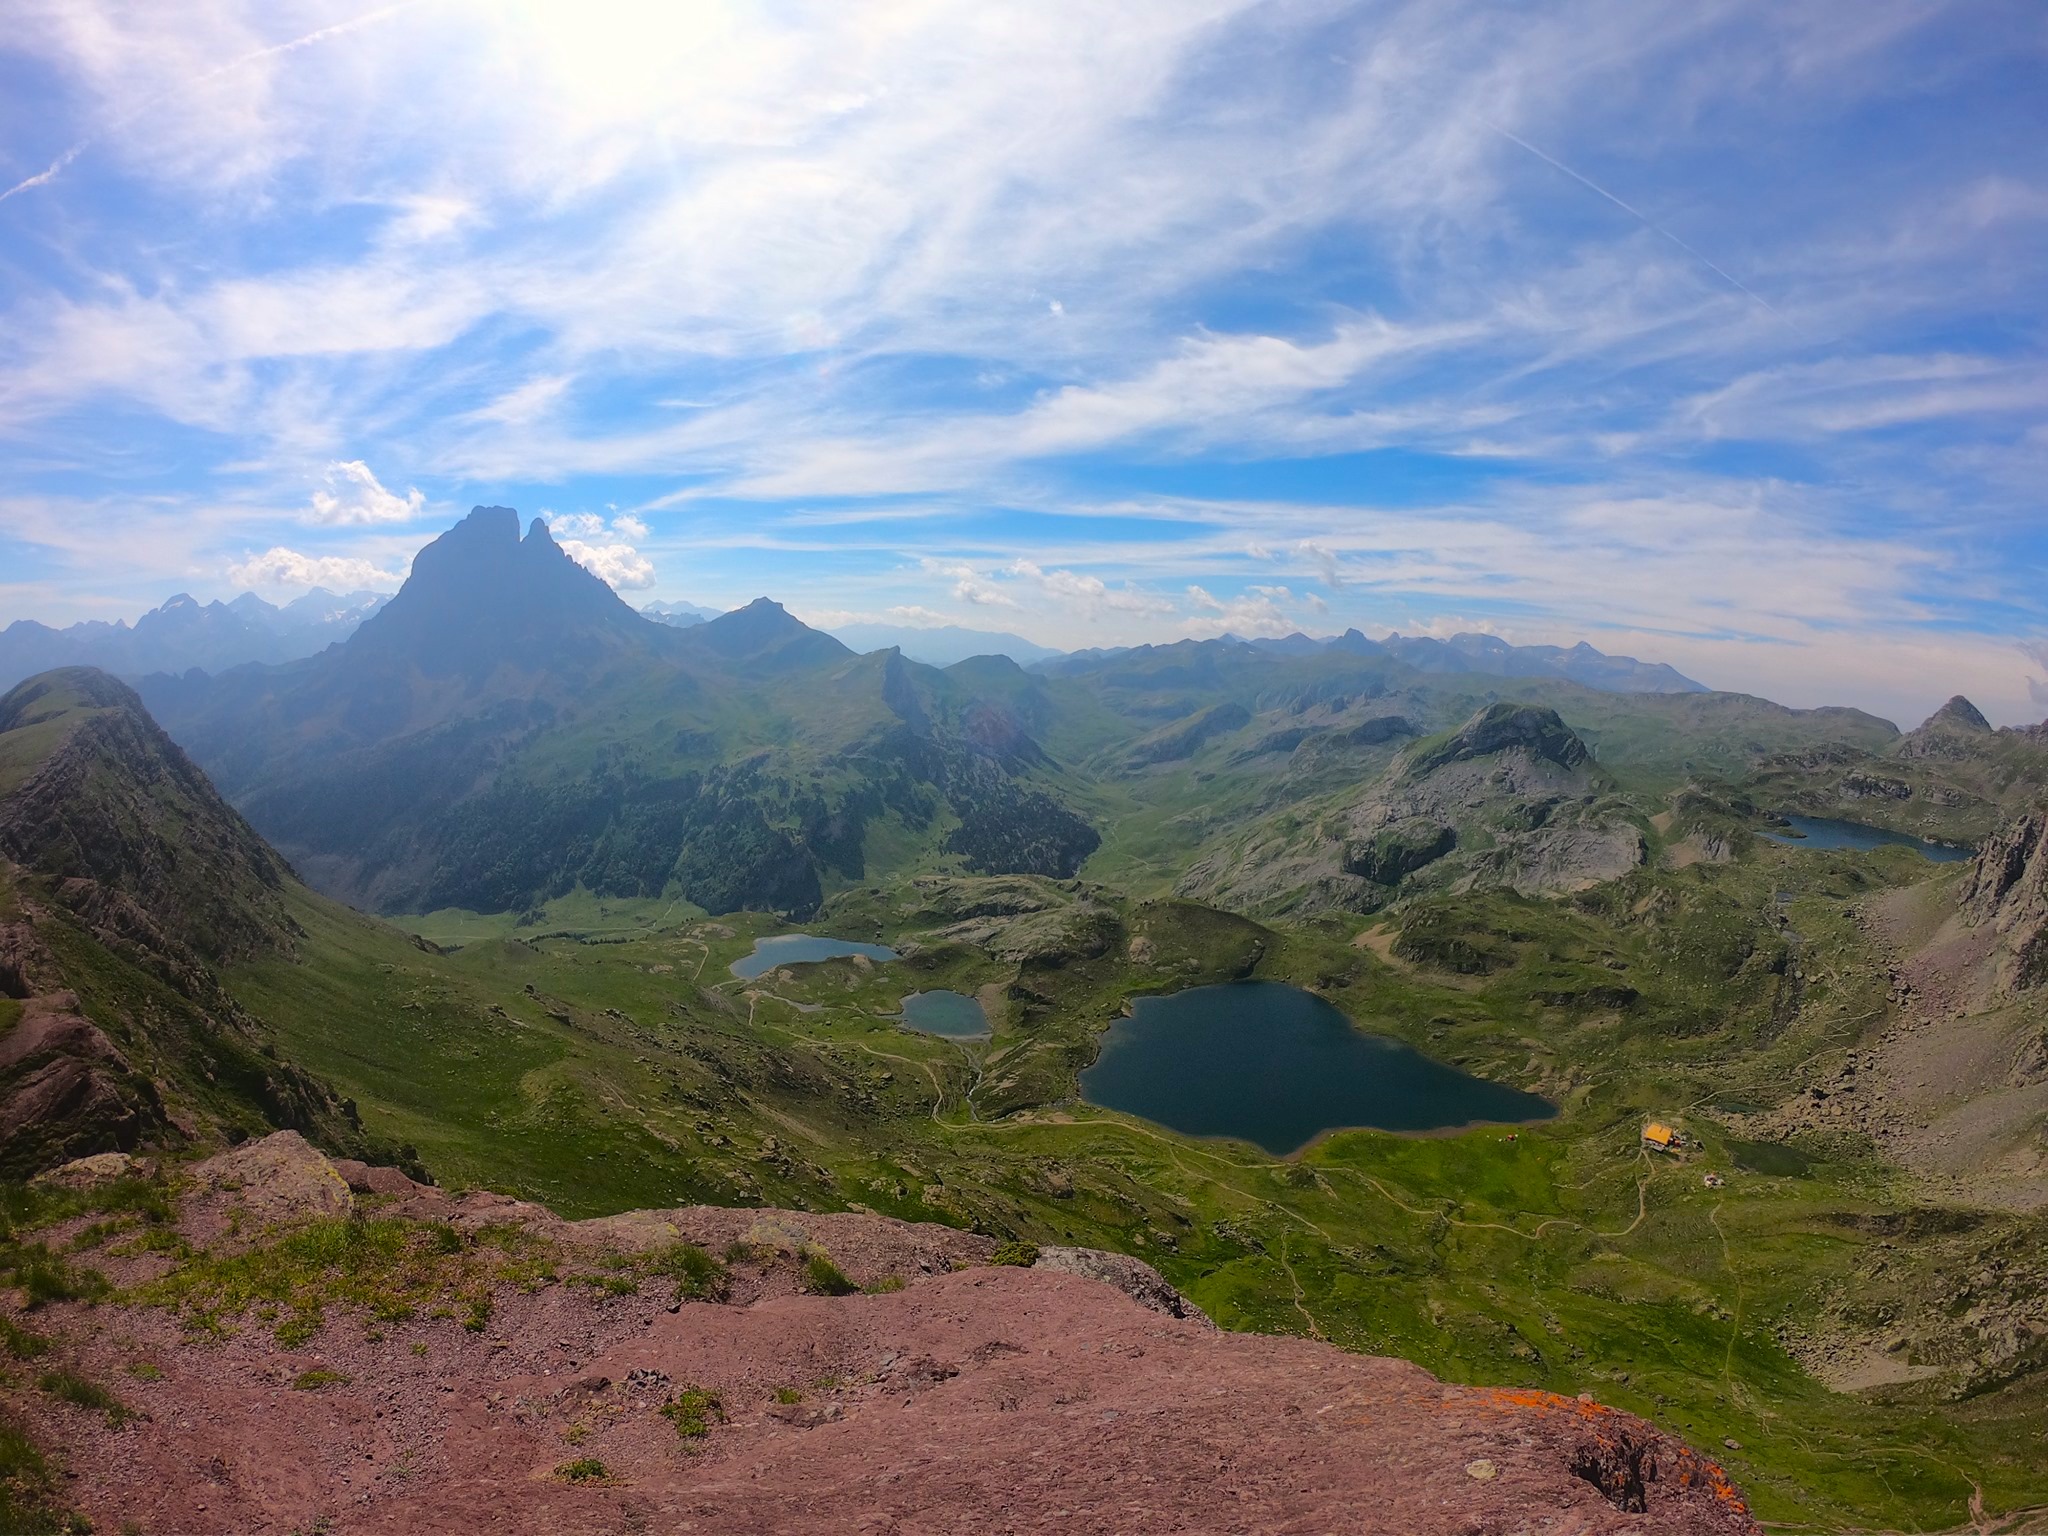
[[943, 644], [186, 633], [1485, 655], [681, 615]]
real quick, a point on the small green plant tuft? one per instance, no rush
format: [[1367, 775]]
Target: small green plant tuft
[[19, 1342], [477, 1317], [886, 1285], [584, 1469], [693, 1411], [68, 1387], [789, 1395], [1016, 1252], [145, 1370], [313, 1381], [824, 1278], [44, 1277], [698, 1276]]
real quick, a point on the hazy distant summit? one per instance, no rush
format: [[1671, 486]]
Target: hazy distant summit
[[1495, 657], [186, 633], [1484, 655], [942, 645]]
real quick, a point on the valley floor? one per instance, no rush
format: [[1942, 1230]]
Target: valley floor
[[1798, 1314]]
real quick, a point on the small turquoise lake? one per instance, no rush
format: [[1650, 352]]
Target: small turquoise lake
[[1274, 1065], [799, 948], [952, 1014], [1819, 832]]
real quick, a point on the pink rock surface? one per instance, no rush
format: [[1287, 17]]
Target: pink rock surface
[[975, 1399]]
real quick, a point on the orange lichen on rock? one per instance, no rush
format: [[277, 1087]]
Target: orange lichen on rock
[[1620, 1455]]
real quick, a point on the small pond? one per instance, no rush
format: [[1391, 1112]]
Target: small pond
[[1819, 832], [952, 1014], [797, 948], [1773, 1158], [1277, 1066]]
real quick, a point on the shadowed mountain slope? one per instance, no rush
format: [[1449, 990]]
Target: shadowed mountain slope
[[125, 882], [507, 729]]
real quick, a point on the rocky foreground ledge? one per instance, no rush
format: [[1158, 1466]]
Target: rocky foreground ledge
[[288, 1344]]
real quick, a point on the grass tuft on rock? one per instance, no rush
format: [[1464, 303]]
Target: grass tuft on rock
[[693, 1411], [824, 1278]]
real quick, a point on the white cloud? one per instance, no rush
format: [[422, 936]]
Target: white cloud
[[527, 403], [354, 496], [589, 527], [281, 567], [620, 565], [423, 217], [1256, 612]]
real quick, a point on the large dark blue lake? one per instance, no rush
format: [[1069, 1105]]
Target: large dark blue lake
[[1819, 832], [796, 948], [1277, 1066]]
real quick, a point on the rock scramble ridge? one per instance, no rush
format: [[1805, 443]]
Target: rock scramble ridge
[[2007, 888], [283, 1343]]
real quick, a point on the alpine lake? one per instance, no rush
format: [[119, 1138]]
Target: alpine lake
[[1256, 1061], [1820, 833], [1277, 1066]]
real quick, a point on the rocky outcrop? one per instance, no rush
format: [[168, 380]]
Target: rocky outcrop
[[1399, 850], [2007, 888], [595, 1386], [1134, 1277], [66, 1090], [1956, 730], [1512, 799], [1528, 728]]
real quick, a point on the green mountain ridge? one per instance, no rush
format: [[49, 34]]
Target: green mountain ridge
[[126, 886]]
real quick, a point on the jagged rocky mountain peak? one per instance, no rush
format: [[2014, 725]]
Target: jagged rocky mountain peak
[[1957, 714], [480, 595]]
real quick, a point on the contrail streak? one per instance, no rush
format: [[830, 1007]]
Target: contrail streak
[[368, 18], [1637, 214]]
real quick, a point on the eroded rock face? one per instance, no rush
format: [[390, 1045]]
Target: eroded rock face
[[66, 1091], [2007, 887]]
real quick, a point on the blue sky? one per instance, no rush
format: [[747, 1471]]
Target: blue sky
[[1707, 331]]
